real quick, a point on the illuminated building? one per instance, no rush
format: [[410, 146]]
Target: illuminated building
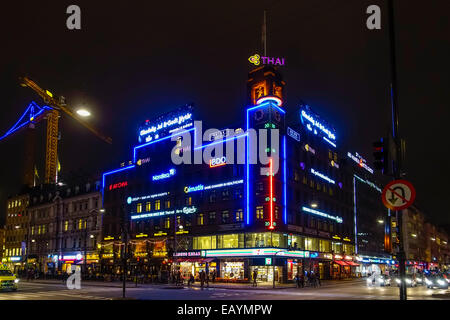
[[64, 228], [225, 215], [15, 230]]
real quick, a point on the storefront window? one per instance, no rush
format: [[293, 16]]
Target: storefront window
[[349, 248], [324, 246], [336, 247], [265, 239], [208, 242], [312, 244], [230, 241], [232, 270], [299, 240]]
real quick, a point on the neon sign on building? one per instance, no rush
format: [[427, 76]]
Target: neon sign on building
[[322, 214], [256, 60], [360, 161], [324, 177], [164, 175], [217, 162], [150, 196], [166, 124], [201, 187], [118, 185], [319, 127], [185, 210]]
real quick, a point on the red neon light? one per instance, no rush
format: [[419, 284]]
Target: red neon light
[[271, 193], [118, 185]]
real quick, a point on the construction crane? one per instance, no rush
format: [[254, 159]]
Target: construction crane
[[35, 113]]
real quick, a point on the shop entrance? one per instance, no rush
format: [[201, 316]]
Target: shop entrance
[[266, 273]]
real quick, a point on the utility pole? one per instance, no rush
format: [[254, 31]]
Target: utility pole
[[395, 134]]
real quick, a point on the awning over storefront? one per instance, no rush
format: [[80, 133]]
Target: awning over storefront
[[341, 263], [351, 263]]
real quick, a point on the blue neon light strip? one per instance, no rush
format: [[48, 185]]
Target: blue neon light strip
[[324, 177], [333, 144], [151, 142], [284, 181], [31, 116], [265, 103], [322, 214]]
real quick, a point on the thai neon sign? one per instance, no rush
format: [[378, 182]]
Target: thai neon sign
[[360, 161], [184, 210], [164, 175], [324, 177], [118, 185], [314, 124], [201, 187], [217, 162], [256, 59], [322, 214]]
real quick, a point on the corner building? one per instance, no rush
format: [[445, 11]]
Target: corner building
[[280, 209]]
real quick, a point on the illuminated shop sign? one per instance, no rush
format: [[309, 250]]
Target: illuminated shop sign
[[166, 124], [185, 210], [15, 259], [150, 196], [217, 162], [319, 127], [118, 185], [164, 175], [360, 161], [140, 162], [256, 59], [71, 257], [320, 175], [309, 149], [322, 214], [201, 187], [293, 134], [188, 254], [256, 252]]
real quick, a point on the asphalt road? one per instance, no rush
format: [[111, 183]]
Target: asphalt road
[[348, 290]]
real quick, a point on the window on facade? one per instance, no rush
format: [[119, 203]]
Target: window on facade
[[239, 215], [167, 223], [336, 247], [225, 216], [212, 217], [298, 242], [201, 243], [260, 212], [188, 201], [148, 206], [311, 183], [167, 204], [296, 175], [259, 240], [212, 197], [80, 224], [200, 219], [225, 195], [230, 241], [311, 244], [276, 212], [139, 208], [324, 245], [158, 205]]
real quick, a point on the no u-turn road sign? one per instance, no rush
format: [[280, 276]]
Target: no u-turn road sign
[[398, 195]]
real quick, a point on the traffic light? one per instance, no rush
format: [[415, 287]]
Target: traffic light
[[380, 153]]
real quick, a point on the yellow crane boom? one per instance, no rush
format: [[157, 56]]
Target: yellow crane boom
[[52, 127]]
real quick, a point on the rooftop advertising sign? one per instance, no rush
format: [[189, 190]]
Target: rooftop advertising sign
[[166, 124], [315, 124]]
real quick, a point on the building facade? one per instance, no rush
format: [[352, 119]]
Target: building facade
[[231, 215], [16, 230], [64, 229]]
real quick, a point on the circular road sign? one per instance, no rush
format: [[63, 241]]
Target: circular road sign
[[398, 195]]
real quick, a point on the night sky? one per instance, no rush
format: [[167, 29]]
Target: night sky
[[133, 60]]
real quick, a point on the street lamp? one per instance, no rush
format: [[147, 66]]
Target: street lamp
[[83, 112]]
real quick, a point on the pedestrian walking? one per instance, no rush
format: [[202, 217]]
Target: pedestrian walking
[[255, 275], [297, 280], [302, 280], [202, 278], [213, 275]]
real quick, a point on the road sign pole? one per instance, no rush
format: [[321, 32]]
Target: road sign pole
[[397, 162]]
